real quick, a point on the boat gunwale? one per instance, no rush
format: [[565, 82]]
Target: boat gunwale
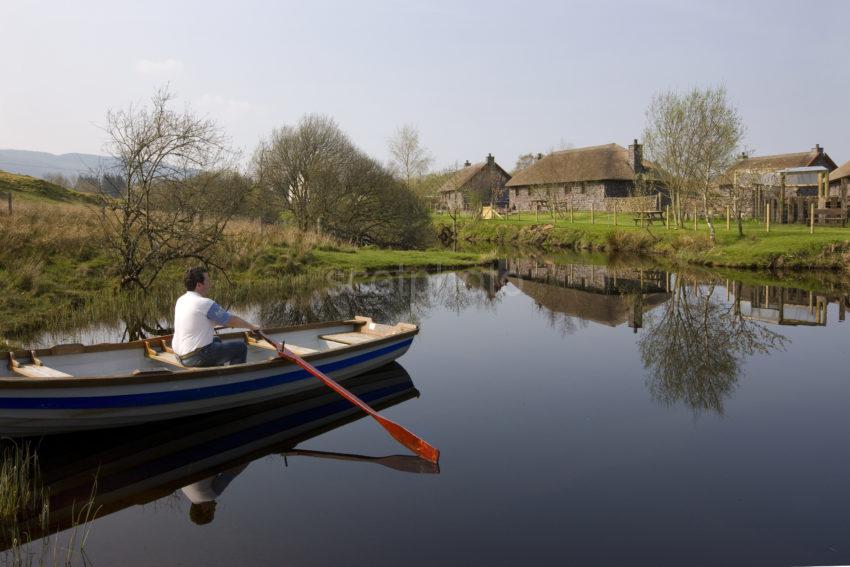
[[18, 382]]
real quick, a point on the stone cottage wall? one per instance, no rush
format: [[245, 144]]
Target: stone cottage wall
[[582, 195]]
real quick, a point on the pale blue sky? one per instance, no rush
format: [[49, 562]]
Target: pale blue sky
[[475, 77]]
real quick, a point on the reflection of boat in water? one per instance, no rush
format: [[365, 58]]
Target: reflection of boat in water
[[141, 464], [76, 387]]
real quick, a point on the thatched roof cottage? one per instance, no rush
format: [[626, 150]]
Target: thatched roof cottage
[[584, 177]]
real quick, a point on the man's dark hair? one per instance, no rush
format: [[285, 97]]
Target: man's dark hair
[[193, 277], [202, 513]]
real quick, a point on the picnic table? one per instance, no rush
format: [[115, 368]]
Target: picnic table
[[648, 217]]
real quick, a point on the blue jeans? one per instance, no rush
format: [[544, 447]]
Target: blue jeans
[[218, 353]]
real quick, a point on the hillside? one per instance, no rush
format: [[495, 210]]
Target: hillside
[[32, 188], [39, 164]]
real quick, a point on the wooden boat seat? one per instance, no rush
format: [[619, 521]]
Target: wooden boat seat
[[349, 338], [39, 371], [167, 358], [35, 369], [299, 350], [165, 355]]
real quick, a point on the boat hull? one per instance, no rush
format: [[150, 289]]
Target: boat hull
[[28, 411]]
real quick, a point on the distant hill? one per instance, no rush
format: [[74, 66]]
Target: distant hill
[[32, 188], [39, 164]]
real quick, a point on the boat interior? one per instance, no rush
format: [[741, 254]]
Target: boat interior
[[154, 356]]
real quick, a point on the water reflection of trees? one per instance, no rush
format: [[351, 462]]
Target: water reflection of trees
[[123, 317], [694, 347], [390, 299], [402, 298]]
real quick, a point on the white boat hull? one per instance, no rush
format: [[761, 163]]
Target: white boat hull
[[77, 406]]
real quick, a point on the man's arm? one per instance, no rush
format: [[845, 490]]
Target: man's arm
[[217, 314], [241, 323]]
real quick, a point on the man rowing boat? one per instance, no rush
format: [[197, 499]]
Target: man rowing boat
[[195, 317]]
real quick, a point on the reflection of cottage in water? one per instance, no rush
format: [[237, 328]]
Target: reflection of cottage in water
[[602, 294], [784, 306]]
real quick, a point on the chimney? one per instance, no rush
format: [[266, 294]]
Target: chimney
[[490, 159], [467, 164], [818, 150], [636, 156]]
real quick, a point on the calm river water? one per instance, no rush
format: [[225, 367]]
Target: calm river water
[[587, 414]]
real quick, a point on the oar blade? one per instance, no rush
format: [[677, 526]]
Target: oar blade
[[409, 440], [409, 464]]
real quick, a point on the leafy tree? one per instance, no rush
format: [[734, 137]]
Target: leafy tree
[[329, 184]]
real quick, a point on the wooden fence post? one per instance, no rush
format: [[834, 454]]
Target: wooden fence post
[[695, 218], [615, 213], [812, 218], [592, 215], [571, 211], [667, 216], [767, 219], [727, 218]]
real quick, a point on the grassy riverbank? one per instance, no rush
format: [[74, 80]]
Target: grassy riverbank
[[785, 246], [54, 262]]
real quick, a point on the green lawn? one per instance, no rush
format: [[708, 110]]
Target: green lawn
[[372, 259]]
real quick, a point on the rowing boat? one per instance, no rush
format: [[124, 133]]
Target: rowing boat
[[74, 387]]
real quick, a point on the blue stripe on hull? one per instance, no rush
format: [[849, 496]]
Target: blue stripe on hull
[[160, 398]]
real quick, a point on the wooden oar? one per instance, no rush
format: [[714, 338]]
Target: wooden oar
[[404, 463], [399, 433]]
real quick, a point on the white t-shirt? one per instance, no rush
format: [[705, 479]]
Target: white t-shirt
[[210, 488], [194, 319]]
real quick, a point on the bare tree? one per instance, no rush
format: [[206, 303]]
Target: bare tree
[[524, 161], [738, 190], [60, 179], [692, 139], [175, 201], [407, 155]]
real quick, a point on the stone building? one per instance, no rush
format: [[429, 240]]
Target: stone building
[[839, 181], [581, 178], [784, 181], [476, 184]]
